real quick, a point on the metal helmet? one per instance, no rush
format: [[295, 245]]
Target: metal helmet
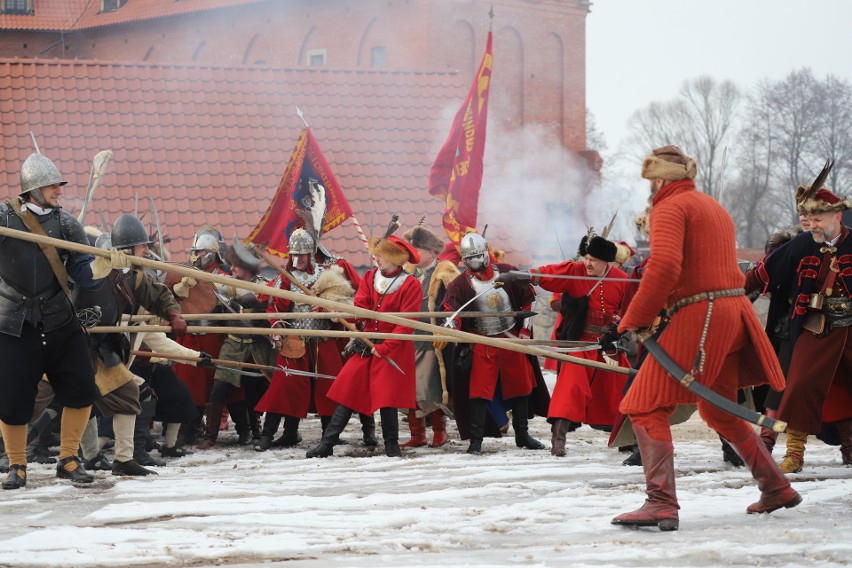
[[474, 251], [37, 172], [128, 231], [301, 242], [206, 247], [206, 242]]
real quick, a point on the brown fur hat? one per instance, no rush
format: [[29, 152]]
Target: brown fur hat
[[393, 249], [668, 163], [422, 238], [333, 285]]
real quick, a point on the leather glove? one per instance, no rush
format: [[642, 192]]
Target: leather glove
[[177, 323], [607, 339], [206, 361], [102, 266], [512, 277], [183, 287], [246, 301]]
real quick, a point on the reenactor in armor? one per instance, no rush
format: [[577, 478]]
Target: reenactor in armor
[[383, 377], [125, 290], [583, 395], [432, 361], [241, 348], [39, 331], [293, 396], [518, 375]]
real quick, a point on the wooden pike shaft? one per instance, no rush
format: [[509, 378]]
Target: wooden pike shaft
[[325, 315], [224, 362], [327, 304]]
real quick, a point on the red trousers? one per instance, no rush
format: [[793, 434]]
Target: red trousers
[[513, 368]]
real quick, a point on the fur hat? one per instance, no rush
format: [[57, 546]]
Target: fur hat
[[422, 238], [643, 222], [602, 249], [823, 201], [624, 252], [394, 249], [668, 163], [780, 237]]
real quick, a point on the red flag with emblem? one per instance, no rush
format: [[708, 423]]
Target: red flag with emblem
[[307, 167], [456, 174]]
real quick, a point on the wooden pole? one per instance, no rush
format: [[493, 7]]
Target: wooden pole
[[326, 304]]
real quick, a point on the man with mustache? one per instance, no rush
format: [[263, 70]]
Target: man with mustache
[[817, 265]]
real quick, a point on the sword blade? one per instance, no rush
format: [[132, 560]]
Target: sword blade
[[299, 373], [463, 306]]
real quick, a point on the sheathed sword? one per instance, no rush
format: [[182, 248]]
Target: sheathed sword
[[688, 381]]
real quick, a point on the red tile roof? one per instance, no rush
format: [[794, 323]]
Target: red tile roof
[[67, 15], [210, 144]]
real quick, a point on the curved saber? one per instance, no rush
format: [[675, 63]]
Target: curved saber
[[463, 306]]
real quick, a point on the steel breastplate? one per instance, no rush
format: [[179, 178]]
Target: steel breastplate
[[388, 284], [493, 300]]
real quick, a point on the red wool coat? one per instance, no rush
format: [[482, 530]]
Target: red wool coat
[[693, 250], [366, 384]]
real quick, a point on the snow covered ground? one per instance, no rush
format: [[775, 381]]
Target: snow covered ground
[[434, 507]]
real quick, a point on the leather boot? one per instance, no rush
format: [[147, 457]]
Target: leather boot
[[256, 430], [390, 431], [417, 426], [845, 430], [775, 490], [242, 422], [324, 422], [17, 477], [635, 458], [729, 455], [141, 434], [439, 429], [368, 427], [71, 468], [794, 459], [264, 443], [768, 436], [336, 424], [520, 423], [478, 409], [660, 508], [132, 468], [213, 417], [291, 435], [98, 463], [557, 441]]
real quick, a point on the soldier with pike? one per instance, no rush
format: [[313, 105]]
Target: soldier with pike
[[291, 396], [432, 360], [517, 375], [39, 331]]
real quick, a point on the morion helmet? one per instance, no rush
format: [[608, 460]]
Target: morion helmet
[[128, 231]]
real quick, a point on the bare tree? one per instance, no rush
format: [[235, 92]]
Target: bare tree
[[835, 137]]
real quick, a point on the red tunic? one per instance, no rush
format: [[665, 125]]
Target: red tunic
[[583, 394], [292, 395], [366, 384]]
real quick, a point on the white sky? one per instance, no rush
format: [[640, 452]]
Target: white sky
[[640, 51]]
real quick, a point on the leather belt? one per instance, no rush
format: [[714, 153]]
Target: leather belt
[[704, 296]]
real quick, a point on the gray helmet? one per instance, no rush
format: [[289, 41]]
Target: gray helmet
[[37, 172], [301, 242], [128, 231], [474, 251]]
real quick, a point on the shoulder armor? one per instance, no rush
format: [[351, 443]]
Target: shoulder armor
[[71, 229]]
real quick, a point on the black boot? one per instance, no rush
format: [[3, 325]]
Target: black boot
[[368, 427], [520, 423], [256, 430], [38, 453], [271, 422], [212, 418], [142, 434], [71, 468], [291, 435], [98, 463], [635, 458], [264, 443], [336, 425], [242, 422], [478, 409], [130, 468], [390, 431], [17, 477], [729, 455], [324, 421]]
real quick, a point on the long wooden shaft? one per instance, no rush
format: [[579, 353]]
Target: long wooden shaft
[[225, 362], [327, 304], [324, 315]]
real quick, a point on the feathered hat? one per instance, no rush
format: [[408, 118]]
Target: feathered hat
[[394, 249], [422, 238], [815, 199], [313, 212]]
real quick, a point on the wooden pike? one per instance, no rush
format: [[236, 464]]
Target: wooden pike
[[323, 303], [224, 362], [327, 315]]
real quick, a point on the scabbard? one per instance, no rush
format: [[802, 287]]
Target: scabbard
[[703, 392]]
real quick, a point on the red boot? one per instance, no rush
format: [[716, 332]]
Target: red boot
[[418, 431], [439, 429], [767, 436], [775, 490], [660, 508]]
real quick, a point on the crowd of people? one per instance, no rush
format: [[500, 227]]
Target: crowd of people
[[107, 389]]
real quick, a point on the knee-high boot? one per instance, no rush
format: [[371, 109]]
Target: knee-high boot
[[768, 436], [390, 431], [775, 490], [141, 433], [270, 426], [242, 422], [557, 443], [291, 435], [439, 429], [520, 423], [845, 430], [478, 409], [368, 427], [213, 416], [336, 425], [794, 459], [417, 426], [660, 508]]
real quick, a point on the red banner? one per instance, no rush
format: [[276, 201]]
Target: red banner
[[456, 174], [281, 218]]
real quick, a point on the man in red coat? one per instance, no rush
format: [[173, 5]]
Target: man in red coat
[[514, 370], [367, 381], [584, 395], [720, 340]]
